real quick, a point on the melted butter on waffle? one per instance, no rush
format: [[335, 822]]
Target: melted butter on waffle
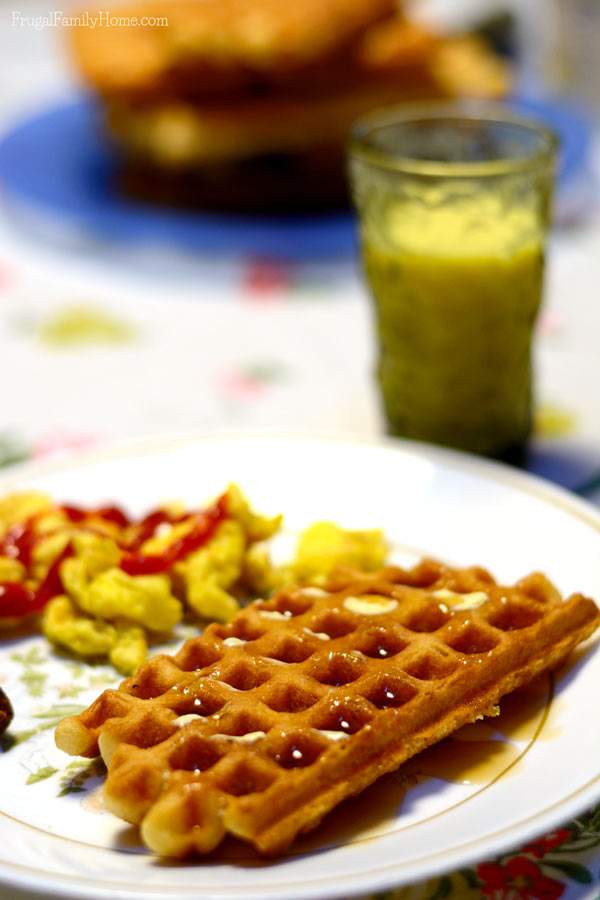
[[370, 605], [275, 614], [321, 635], [460, 602], [251, 737], [182, 721]]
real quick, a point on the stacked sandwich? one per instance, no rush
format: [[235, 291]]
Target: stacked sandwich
[[246, 104]]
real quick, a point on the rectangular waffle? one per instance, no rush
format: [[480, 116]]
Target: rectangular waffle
[[260, 727]]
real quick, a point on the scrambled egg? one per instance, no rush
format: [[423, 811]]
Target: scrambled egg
[[210, 574], [17, 508], [144, 599], [11, 569], [105, 613], [124, 645], [325, 546]]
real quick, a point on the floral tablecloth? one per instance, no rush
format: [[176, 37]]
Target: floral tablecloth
[[99, 345]]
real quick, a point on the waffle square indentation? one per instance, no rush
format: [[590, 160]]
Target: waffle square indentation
[[194, 753], [389, 692], [337, 669], [290, 698], [297, 750], [514, 616]]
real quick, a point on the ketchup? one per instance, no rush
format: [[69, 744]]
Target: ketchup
[[111, 513], [52, 583], [151, 522], [17, 600], [19, 541], [206, 523]]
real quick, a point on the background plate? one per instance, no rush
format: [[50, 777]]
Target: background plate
[[59, 164]]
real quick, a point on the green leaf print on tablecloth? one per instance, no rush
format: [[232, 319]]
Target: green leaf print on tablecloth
[[41, 774], [12, 450], [50, 719], [33, 674], [76, 774]]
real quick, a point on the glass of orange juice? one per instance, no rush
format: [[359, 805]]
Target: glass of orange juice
[[454, 210]]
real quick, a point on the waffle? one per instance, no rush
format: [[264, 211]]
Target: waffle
[[260, 727]]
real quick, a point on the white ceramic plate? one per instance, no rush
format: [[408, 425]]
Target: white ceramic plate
[[491, 788]]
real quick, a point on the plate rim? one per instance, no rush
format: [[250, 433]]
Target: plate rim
[[377, 879]]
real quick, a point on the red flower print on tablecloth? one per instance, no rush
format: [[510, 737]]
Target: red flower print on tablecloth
[[251, 380], [518, 878], [548, 843], [264, 279], [6, 275], [551, 323], [59, 442], [241, 385]]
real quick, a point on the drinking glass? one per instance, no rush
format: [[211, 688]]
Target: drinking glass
[[454, 207]]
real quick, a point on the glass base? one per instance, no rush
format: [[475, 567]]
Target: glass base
[[514, 454]]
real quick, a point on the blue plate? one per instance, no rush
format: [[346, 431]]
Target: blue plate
[[57, 164]]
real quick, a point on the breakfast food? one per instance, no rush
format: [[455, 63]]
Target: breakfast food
[[324, 547], [6, 712], [258, 728], [107, 584], [228, 104]]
